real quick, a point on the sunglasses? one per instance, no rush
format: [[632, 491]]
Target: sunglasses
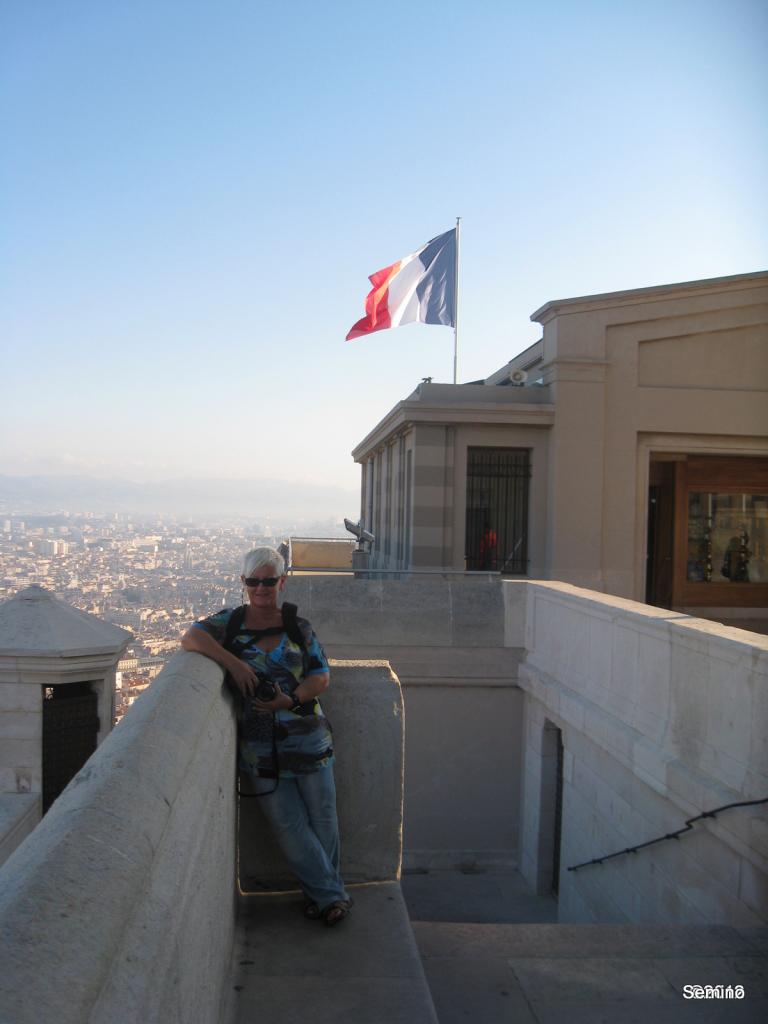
[[270, 581]]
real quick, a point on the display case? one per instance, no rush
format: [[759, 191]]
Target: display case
[[727, 538], [722, 532]]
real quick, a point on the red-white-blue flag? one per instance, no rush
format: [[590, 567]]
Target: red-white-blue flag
[[421, 288]]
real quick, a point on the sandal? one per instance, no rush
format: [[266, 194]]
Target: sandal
[[335, 912], [311, 910]]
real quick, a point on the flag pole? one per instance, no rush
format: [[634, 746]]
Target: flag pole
[[456, 311]]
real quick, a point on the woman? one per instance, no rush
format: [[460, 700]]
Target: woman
[[285, 739]]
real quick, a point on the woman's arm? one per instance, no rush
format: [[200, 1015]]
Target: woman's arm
[[312, 686], [197, 640]]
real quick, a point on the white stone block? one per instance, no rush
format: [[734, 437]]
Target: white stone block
[[515, 597], [19, 814], [753, 889], [729, 707], [654, 660], [20, 697], [716, 858], [726, 770], [599, 669], [21, 725], [625, 642], [685, 785], [620, 740], [20, 753], [595, 725], [571, 710], [650, 763], [568, 766], [758, 741], [646, 721]]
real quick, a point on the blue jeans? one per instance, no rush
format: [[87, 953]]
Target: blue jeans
[[302, 814]]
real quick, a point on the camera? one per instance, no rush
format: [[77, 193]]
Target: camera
[[265, 689]]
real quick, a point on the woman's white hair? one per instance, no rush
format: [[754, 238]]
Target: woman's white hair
[[258, 558]]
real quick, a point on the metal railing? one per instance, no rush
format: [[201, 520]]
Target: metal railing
[[688, 827]]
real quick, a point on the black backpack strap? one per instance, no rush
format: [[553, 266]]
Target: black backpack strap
[[234, 625], [291, 624], [295, 632]]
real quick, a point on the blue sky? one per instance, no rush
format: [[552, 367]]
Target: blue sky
[[192, 195]]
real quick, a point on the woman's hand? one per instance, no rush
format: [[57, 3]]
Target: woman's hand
[[201, 642], [244, 677], [282, 702]]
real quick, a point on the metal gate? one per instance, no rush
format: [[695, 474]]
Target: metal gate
[[70, 731], [497, 509]]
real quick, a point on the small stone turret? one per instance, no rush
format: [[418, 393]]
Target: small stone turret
[[57, 682]]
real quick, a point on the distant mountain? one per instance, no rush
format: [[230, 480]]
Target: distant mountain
[[257, 498]]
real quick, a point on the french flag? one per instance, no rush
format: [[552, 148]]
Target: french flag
[[418, 289]]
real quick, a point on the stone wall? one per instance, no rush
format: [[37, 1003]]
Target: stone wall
[[447, 642], [661, 717], [365, 708], [120, 905]]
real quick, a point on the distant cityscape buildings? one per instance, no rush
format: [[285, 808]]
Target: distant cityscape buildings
[[150, 575]]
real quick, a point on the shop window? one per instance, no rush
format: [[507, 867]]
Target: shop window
[[727, 538], [721, 532]]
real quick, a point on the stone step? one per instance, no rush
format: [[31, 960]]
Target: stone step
[[585, 974], [366, 970]]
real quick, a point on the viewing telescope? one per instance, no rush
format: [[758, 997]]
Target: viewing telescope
[[363, 536]]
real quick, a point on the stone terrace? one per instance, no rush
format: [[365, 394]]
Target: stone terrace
[[121, 905]]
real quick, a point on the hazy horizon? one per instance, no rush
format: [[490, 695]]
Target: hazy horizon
[[202, 496]]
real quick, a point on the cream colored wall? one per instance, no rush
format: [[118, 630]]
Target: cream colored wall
[[401, 528], [621, 372], [433, 490], [687, 362]]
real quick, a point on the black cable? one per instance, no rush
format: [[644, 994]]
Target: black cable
[[669, 835]]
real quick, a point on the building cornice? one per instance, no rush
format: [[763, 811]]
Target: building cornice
[[636, 296], [407, 414]]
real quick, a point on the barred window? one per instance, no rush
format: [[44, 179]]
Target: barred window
[[497, 509]]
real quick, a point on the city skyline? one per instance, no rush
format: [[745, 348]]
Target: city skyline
[[152, 575], [194, 195]]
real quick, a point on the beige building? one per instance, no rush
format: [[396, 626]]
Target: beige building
[[626, 451]]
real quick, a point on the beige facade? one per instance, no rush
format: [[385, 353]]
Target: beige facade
[[642, 410]]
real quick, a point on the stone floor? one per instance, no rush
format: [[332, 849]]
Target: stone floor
[[486, 951], [492, 954], [287, 970]]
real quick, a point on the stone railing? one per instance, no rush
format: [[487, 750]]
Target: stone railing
[[661, 716], [120, 906]]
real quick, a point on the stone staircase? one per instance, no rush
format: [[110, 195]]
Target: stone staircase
[[513, 965]]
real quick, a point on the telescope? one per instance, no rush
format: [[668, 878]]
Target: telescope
[[362, 535]]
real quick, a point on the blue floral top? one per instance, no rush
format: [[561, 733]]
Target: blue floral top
[[300, 738]]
